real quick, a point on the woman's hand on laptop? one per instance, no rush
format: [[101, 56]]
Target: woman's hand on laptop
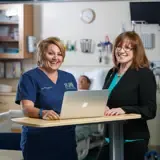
[[50, 115], [114, 112]]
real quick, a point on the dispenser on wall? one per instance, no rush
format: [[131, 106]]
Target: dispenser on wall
[[148, 40], [87, 45], [31, 44]]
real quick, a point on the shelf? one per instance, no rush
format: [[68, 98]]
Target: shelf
[[9, 40], [6, 53], [10, 56], [7, 93], [14, 31], [8, 23]]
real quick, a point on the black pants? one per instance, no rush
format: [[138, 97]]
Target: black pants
[[132, 151]]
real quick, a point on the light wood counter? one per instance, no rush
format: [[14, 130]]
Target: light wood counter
[[115, 128], [49, 123]]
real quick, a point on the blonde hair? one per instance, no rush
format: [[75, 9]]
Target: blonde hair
[[43, 45], [139, 56]]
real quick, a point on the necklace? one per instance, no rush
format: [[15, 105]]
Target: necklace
[[118, 77]]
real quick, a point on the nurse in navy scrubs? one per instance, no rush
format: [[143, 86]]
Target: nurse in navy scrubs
[[40, 91]]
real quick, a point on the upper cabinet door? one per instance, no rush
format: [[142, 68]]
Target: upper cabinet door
[[16, 24]]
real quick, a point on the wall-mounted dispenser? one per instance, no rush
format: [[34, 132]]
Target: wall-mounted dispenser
[[87, 45], [31, 44], [148, 40]]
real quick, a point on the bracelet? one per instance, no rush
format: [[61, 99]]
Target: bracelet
[[40, 113]]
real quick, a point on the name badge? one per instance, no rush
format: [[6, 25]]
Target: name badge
[[46, 88]]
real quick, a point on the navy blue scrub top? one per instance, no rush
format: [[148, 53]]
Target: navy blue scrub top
[[35, 86]]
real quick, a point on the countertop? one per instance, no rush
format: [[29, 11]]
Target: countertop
[[7, 93], [34, 122]]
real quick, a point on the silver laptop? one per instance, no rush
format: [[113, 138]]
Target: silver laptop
[[83, 104]]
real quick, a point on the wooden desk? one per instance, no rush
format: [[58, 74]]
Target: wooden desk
[[115, 128]]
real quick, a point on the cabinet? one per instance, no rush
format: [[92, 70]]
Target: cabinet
[[16, 24], [7, 102]]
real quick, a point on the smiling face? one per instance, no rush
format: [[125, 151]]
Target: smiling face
[[124, 52], [53, 57], [51, 53], [128, 47]]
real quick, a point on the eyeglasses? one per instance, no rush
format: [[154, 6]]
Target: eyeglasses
[[126, 49]]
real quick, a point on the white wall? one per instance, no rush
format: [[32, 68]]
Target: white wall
[[63, 20]]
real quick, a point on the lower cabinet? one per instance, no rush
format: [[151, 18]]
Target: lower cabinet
[[7, 102]]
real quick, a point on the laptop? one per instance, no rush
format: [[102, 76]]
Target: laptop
[[84, 104]]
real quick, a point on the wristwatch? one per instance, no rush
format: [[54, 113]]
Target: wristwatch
[[40, 113]]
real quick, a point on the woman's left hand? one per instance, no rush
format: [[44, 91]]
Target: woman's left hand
[[114, 112]]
